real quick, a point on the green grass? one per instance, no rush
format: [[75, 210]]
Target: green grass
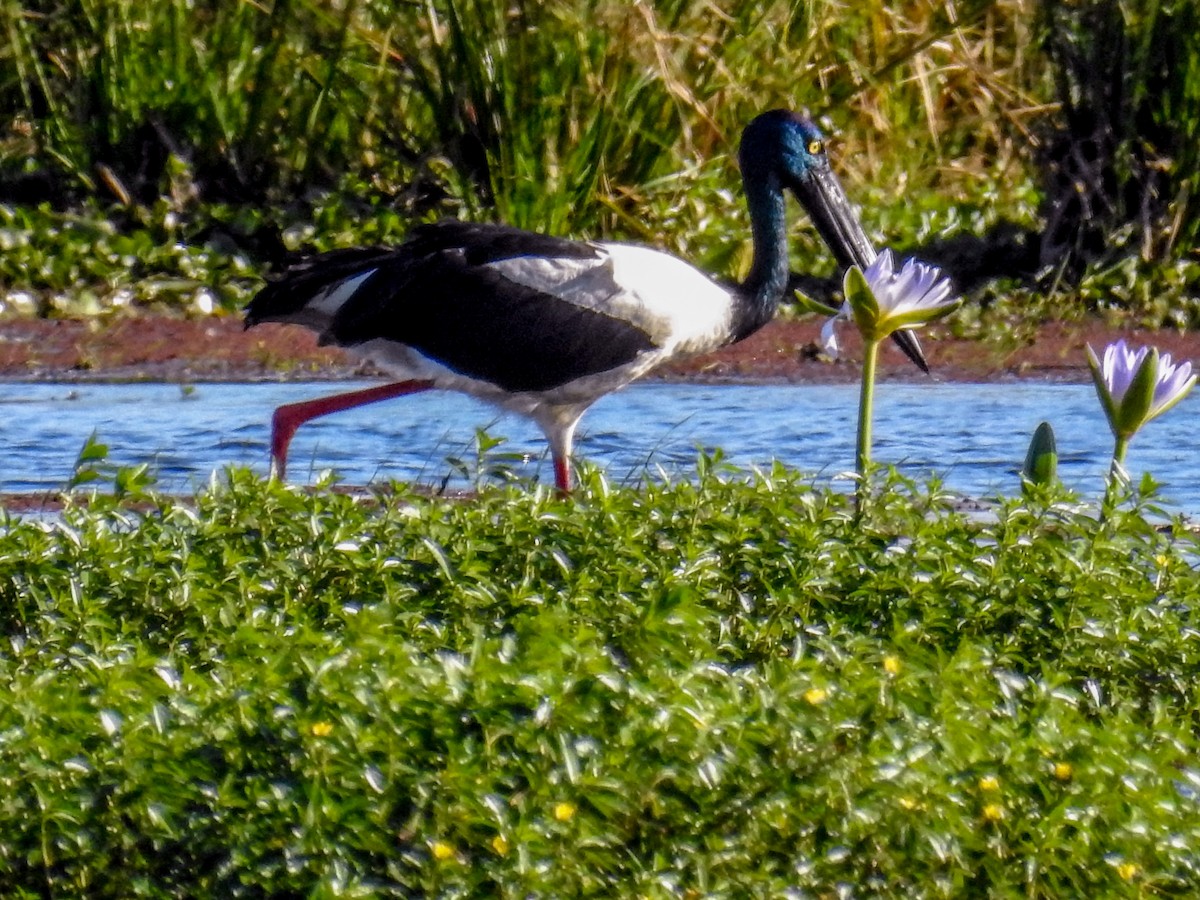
[[733, 687], [544, 111]]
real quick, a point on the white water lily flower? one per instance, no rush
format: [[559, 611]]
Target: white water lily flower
[[882, 300], [1137, 385]]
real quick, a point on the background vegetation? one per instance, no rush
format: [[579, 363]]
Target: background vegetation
[[165, 153]]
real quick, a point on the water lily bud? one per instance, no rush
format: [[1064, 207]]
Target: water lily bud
[[863, 304], [1041, 462]]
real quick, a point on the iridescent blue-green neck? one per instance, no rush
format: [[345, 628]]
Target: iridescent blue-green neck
[[768, 278]]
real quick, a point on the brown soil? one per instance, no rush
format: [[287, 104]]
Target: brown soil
[[218, 349]]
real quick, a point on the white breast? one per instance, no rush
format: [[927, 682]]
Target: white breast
[[680, 307]]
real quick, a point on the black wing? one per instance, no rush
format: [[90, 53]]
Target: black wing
[[437, 294]]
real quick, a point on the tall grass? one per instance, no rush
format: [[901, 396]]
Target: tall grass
[[586, 116], [564, 114], [552, 114], [546, 107], [239, 91]]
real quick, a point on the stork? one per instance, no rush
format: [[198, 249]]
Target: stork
[[545, 326]]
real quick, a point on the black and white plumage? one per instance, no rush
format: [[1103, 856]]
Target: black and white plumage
[[545, 326]]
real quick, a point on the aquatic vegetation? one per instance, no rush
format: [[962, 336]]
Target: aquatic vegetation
[[727, 685]]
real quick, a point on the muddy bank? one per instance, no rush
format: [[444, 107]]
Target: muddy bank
[[160, 348]]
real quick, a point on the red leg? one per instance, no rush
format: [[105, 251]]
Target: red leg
[[290, 417], [562, 474]]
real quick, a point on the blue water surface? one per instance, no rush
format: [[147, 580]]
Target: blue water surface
[[974, 436]]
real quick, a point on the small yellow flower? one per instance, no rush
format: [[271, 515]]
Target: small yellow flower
[[909, 803], [564, 811], [989, 784], [891, 665], [322, 729], [816, 696], [442, 851], [1162, 560], [1063, 771], [500, 845], [993, 812], [1128, 870]]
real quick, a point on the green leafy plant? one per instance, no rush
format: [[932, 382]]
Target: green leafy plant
[[728, 685], [92, 466]]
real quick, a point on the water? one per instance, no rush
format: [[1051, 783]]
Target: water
[[973, 436]]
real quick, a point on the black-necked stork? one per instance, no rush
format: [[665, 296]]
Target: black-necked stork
[[545, 326]]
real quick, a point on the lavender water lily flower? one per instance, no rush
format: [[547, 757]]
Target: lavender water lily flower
[[895, 300], [881, 301], [1135, 386]]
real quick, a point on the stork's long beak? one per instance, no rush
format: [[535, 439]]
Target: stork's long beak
[[840, 228]]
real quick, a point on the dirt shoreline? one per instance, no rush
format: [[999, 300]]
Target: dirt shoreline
[[161, 348]]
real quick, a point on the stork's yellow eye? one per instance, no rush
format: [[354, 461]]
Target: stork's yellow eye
[[815, 147]]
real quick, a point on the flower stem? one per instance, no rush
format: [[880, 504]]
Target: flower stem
[[866, 410], [1116, 473], [1118, 456]]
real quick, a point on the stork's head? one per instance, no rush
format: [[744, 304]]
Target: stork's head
[[782, 149], [789, 151]]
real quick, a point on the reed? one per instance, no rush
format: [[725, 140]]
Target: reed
[[240, 92], [552, 114]]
